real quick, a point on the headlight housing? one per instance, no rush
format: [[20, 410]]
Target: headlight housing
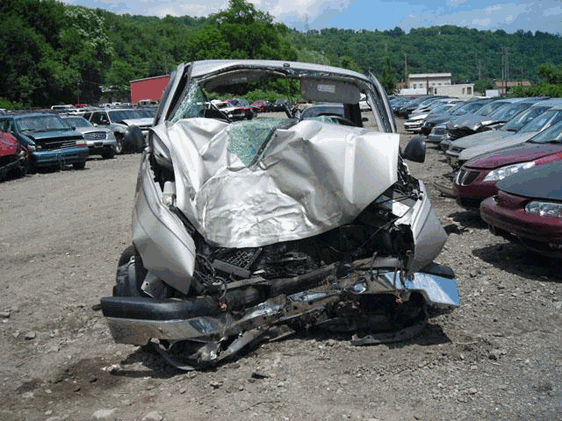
[[500, 173], [548, 209]]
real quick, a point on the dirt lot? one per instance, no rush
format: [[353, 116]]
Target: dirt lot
[[498, 357]]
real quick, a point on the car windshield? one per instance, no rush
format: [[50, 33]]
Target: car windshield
[[41, 123], [440, 109], [520, 120], [147, 112], [77, 122], [121, 115], [551, 135], [490, 108], [543, 121], [467, 108], [509, 110]]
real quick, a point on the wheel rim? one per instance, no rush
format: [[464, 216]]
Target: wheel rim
[[118, 145]]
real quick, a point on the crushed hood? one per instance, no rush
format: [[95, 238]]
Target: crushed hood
[[261, 181]]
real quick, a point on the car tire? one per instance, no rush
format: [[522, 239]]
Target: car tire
[[118, 144], [108, 155], [79, 165], [127, 286]]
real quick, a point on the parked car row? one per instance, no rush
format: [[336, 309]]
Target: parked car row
[[510, 171], [33, 140], [45, 140]]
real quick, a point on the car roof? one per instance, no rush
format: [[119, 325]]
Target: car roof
[[35, 114], [207, 67], [553, 102]]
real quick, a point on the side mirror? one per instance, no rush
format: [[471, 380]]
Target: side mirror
[[134, 138], [415, 150]]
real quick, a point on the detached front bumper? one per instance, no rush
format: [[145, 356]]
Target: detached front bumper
[[136, 320]]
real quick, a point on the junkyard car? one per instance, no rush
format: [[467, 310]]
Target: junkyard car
[[537, 125], [247, 230], [14, 158], [100, 141], [520, 128], [49, 140], [477, 179], [437, 125], [528, 209], [121, 122]]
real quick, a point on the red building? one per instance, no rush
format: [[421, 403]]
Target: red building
[[151, 88]]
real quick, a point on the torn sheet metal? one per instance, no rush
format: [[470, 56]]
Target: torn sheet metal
[[298, 181]]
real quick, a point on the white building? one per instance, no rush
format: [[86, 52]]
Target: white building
[[462, 90], [427, 81], [437, 84]]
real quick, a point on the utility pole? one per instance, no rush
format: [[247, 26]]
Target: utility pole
[[505, 68], [406, 70]]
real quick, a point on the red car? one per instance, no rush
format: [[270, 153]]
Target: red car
[[14, 158], [528, 209], [477, 179]]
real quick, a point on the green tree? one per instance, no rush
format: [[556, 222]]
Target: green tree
[[387, 79], [482, 84]]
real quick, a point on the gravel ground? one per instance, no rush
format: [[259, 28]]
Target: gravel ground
[[498, 357]]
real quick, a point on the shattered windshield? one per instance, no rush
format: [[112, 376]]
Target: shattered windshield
[[77, 122], [41, 123], [249, 137], [192, 105]]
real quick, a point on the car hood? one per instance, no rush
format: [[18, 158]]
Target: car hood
[[461, 121], [508, 142], [438, 118], [478, 139], [418, 117], [54, 134], [85, 130], [523, 153], [542, 182], [471, 121], [141, 122], [257, 182]]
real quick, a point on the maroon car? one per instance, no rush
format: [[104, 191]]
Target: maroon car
[[14, 158], [477, 179], [528, 209]]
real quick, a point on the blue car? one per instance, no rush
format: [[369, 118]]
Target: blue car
[[50, 141]]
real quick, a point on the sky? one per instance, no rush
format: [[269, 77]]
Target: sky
[[510, 16]]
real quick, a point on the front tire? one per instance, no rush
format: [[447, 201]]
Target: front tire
[[129, 282], [118, 144], [79, 165]]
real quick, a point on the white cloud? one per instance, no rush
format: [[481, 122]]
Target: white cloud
[[507, 16]]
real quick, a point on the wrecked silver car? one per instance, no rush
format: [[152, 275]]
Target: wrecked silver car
[[245, 231]]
